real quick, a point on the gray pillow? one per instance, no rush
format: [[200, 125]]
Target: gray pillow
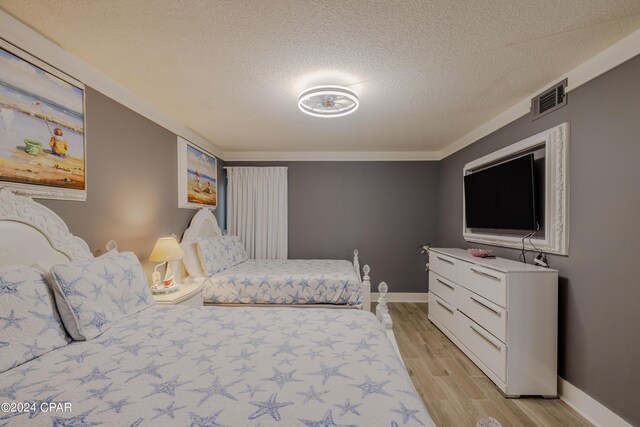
[[93, 295]]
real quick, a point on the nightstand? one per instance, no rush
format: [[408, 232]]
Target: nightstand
[[188, 294]]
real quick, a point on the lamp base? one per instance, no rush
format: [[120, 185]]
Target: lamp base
[[165, 290], [169, 282], [170, 274]]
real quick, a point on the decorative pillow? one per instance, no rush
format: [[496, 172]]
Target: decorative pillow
[[29, 322], [212, 255], [220, 253], [92, 295], [238, 253]]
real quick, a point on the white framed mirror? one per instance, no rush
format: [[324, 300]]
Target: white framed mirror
[[552, 147]]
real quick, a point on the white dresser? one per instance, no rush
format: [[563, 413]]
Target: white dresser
[[503, 314]]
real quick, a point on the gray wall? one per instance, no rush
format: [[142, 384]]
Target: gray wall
[[383, 209], [131, 179], [386, 209], [599, 342]]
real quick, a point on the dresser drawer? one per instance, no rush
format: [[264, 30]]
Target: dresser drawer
[[483, 345], [490, 284], [442, 312], [490, 316], [444, 266], [442, 287]]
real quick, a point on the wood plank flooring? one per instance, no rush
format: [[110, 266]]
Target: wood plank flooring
[[454, 390]]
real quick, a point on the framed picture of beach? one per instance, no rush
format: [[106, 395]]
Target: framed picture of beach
[[197, 177], [42, 128]]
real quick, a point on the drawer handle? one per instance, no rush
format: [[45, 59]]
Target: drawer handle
[[444, 306], [487, 339], [445, 260], [446, 284], [496, 312], [482, 273]]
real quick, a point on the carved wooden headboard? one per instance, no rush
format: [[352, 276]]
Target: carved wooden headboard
[[33, 234], [203, 224]]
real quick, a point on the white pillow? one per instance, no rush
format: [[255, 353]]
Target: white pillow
[[94, 294], [29, 322], [191, 261]]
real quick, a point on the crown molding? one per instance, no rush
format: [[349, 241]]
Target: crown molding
[[44, 49], [520, 109], [329, 156], [592, 68], [29, 40], [599, 64]]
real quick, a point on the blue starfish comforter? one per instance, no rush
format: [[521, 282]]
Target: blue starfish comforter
[[220, 366], [292, 281]]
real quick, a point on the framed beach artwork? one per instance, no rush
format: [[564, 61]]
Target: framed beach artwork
[[42, 128], [197, 177]]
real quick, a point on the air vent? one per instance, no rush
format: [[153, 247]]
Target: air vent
[[549, 100]]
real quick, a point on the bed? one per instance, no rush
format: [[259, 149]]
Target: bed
[[274, 282], [198, 366]]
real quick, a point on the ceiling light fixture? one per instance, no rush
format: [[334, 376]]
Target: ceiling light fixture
[[328, 101]]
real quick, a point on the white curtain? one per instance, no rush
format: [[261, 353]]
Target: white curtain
[[257, 210]]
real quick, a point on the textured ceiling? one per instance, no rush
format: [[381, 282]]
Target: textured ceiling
[[427, 72]]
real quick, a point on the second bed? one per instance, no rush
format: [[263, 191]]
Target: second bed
[[275, 282]]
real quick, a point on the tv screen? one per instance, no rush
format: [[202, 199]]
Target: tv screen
[[502, 196]]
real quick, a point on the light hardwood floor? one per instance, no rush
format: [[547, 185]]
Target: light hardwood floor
[[454, 390]]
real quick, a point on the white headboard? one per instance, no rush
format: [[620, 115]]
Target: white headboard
[[33, 234], [203, 224]]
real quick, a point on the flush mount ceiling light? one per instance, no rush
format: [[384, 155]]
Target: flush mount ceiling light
[[328, 101]]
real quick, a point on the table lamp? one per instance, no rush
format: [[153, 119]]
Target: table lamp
[[167, 250]]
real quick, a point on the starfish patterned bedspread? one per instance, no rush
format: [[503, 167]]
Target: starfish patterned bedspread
[[222, 366], [292, 281]]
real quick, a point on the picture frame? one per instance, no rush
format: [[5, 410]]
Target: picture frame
[[554, 239], [197, 177], [43, 138]]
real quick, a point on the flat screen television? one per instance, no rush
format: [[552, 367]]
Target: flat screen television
[[502, 197]]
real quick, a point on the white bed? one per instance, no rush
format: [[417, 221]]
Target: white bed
[[216, 366], [275, 282]]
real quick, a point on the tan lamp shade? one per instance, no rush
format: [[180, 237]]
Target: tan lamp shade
[[166, 249]]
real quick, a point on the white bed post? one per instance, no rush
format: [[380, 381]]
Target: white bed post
[[365, 282], [366, 289], [356, 263], [382, 312], [112, 245]]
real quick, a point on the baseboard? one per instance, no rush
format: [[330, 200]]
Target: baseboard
[[594, 411], [402, 297]]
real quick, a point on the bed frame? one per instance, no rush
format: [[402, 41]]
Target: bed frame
[[204, 224], [32, 234]]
